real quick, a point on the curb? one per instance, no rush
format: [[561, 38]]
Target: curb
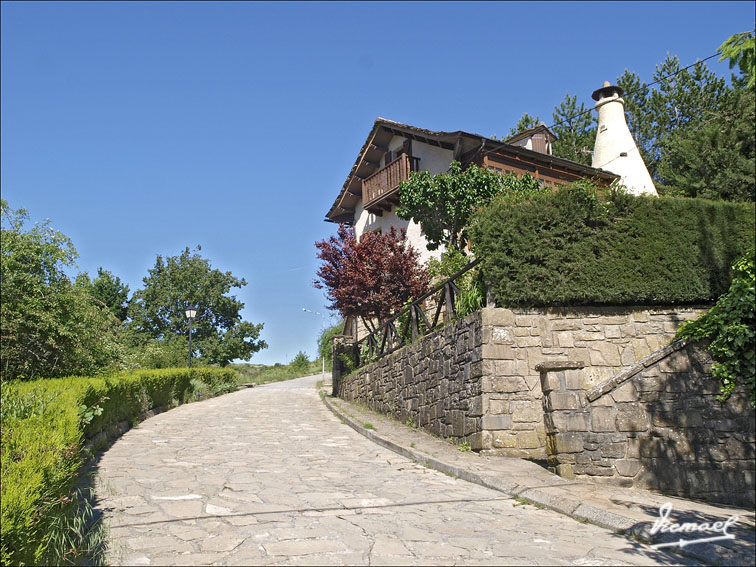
[[617, 523], [567, 506]]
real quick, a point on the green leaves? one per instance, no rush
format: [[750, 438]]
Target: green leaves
[[219, 334], [48, 326], [740, 49], [575, 128], [729, 325], [442, 204], [576, 247]]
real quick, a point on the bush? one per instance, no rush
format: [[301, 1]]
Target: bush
[[729, 325], [576, 247], [43, 424]]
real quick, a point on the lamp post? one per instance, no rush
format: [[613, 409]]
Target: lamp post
[[191, 313], [322, 357]]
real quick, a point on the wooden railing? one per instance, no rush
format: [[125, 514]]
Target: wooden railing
[[388, 178], [388, 338]]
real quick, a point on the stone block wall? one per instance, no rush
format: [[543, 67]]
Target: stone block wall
[[515, 342], [657, 425], [477, 379], [434, 383]]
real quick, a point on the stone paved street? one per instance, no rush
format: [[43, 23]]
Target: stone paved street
[[268, 476]]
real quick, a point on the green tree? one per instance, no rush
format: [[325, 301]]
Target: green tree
[[301, 362], [683, 99], [108, 290], [218, 332], [715, 160], [575, 128], [443, 203], [740, 49], [48, 326], [667, 121], [325, 341], [525, 122]]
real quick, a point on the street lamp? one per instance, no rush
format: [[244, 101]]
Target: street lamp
[[191, 313], [322, 357]]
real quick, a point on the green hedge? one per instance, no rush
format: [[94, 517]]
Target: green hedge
[[574, 247], [44, 424]]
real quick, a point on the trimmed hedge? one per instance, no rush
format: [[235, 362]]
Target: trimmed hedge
[[44, 426], [575, 247]]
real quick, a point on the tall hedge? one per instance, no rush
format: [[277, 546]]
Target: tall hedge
[[43, 425], [574, 246]]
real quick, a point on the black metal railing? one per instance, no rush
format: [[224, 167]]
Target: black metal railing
[[412, 321]]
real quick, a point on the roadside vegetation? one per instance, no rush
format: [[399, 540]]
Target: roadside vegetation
[[263, 374], [46, 515]]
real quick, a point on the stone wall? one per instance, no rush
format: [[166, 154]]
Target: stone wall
[[430, 383], [477, 379], [515, 342], [657, 425]]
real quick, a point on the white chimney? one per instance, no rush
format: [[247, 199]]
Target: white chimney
[[615, 149]]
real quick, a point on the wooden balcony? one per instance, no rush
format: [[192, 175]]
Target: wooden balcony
[[380, 191]]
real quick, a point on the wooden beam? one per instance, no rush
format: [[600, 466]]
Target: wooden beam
[[379, 147]]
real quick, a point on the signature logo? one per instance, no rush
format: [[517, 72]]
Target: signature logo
[[665, 525]]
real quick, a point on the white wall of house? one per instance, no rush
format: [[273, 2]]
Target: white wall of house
[[434, 159], [367, 221]]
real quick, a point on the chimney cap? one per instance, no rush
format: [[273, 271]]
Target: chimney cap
[[606, 91]]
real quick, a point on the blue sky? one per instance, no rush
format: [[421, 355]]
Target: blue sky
[[141, 128]]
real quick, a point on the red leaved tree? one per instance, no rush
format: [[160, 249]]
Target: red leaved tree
[[371, 278]]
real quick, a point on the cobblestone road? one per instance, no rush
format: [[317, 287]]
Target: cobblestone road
[[269, 476]]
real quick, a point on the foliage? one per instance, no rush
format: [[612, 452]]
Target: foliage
[[740, 49], [262, 374], [575, 128], [325, 341], [108, 290], [729, 325], [142, 352], [471, 286], [682, 102], [442, 204], [49, 327], [716, 159], [218, 332], [525, 122], [575, 247], [43, 424], [372, 277], [300, 362]]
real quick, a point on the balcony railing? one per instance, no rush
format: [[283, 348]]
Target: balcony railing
[[384, 183]]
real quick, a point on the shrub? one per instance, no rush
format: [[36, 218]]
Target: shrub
[[574, 246], [729, 325], [43, 424]]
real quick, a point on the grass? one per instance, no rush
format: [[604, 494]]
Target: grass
[[258, 374], [368, 426]]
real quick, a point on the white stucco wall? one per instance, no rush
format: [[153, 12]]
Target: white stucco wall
[[367, 221], [615, 149], [432, 158]]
